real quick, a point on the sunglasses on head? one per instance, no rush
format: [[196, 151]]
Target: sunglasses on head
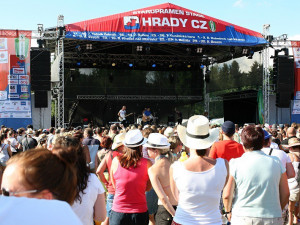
[[12, 193]]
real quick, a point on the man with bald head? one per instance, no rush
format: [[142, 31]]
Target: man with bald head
[[290, 133]]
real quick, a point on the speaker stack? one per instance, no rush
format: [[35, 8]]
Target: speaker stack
[[40, 67], [284, 81]]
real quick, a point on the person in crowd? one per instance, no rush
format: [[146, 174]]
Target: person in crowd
[[159, 149], [14, 144], [5, 154], [237, 136], [113, 131], [283, 157], [89, 203], [21, 134], [105, 148], [257, 183], [88, 138], [28, 142], [151, 196], [169, 132], [129, 174], [227, 148], [197, 182], [50, 137], [38, 173], [98, 132], [294, 148], [105, 164], [290, 133], [79, 135], [175, 146], [42, 143], [30, 211]]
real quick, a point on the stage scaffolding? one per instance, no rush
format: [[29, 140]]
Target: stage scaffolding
[[139, 97]]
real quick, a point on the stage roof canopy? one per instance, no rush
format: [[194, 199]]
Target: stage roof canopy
[[164, 33]]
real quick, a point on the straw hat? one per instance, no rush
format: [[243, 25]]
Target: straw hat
[[118, 140], [169, 132], [197, 134], [156, 140], [294, 142], [134, 138]]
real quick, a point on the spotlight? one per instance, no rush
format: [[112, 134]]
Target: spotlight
[[202, 66], [113, 64], [170, 65], [189, 66], [130, 65], [153, 65], [245, 51], [89, 46], [199, 50], [94, 64], [139, 48], [78, 63]]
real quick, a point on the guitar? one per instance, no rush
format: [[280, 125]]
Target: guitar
[[147, 118], [124, 118]]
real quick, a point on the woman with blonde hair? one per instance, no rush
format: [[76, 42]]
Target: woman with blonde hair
[[159, 149]]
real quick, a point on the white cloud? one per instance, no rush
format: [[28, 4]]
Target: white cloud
[[294, 37], [239, 4]]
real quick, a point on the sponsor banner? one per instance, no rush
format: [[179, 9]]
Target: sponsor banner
[[15, 107], [295, 117], [164, 23]]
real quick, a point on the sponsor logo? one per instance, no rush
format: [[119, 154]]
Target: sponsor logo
[[24, 77], [131, 22], [3, 43], [13, 77], [13, 96], [13, 82], [3, 57], [24, 89], [18, 70], [24, 82], [23, 103], [12, 88], [24, 96], [212, 26], [3, 95]]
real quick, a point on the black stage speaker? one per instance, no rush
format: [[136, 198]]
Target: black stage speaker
[[40, 69], [41, 99], [285, 82]]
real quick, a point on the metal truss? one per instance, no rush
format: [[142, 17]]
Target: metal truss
[[60, 85], [266, 77], [139, 97]]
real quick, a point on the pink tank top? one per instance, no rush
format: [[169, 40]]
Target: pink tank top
[[130, 188]]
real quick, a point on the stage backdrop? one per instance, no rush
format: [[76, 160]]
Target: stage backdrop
[[15, 99]]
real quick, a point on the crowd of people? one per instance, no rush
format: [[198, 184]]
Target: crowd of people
[[196, 173]]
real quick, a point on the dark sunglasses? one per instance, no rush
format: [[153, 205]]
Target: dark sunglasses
[[12, 193]]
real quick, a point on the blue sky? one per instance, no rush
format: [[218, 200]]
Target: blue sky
[[282, 15]]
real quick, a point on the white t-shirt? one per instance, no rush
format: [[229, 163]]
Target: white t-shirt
[[85, 209], [4, 156], [274, 145], [284, 158], [13, 143], [199, 194], [32, 211], [122, 113]]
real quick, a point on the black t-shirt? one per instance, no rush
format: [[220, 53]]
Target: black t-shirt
[[286, 141], [90, 141]]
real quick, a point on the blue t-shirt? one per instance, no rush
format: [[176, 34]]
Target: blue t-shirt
[[257, 177], [147, 113]]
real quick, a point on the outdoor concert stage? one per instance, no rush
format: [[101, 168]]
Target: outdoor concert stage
[[164, 38]]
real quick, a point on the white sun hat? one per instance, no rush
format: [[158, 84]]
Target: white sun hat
[[197, 134], [134, 138], [156, 140], [118, 140]]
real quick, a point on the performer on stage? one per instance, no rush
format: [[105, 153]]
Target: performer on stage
[[179, 116], [122, 115], [147, 116]]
